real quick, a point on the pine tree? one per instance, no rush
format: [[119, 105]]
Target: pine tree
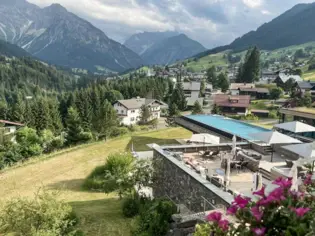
[[239, 75], [18, 109], [4, 110], [178, 97], [197, 109], [249, 72], [42, 116], [84, 107], [107, 120], [55, 118], [223, 82], [173, 112], [74, 128], [145, 114], [212, 77]]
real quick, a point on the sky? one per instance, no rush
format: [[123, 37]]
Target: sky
[[211, 22]]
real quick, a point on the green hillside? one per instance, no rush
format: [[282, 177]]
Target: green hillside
[[279, 58]]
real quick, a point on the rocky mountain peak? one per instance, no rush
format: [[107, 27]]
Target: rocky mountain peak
[[59, 37]]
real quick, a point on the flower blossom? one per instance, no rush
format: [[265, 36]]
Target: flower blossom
[[214, 216], [259, 231], [282, 182], [240, 201], [232, 210], [308, 180], [301, 211], [224, 224], [257, 213], [260, 192]]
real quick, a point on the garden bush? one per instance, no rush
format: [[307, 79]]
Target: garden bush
[[119, 131], [250, 117], [134, 128], [154, 218], [273, 114], [43, 215], [131, 207]]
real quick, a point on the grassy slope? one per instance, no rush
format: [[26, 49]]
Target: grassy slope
[[100, 214], [207, 61], [219, 59]]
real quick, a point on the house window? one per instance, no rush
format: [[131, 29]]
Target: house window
[[117, 111], [132, 118], [133, 111], [122, 112]]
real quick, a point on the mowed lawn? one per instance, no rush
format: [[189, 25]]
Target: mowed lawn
[[100, 214]]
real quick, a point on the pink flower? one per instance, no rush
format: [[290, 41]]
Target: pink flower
[[232, 210], [257, 213], [300, 212], [282, 182], [278, 194], [308, 180], [259, 231], [214, 216], [224, 224], [266, 201], [297, 194], [240, 201], [260, 192]]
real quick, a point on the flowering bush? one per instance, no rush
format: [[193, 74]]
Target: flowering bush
[[281, 212]]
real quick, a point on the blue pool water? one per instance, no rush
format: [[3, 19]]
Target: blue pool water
[[234, 127]]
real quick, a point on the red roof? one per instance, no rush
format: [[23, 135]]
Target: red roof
[[11, 123], [223, 100]]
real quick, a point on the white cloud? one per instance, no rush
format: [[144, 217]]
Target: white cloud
[[253, 3], [212, 22], [265, 12]]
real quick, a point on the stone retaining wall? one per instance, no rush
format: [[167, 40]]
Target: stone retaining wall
[[174, 180]]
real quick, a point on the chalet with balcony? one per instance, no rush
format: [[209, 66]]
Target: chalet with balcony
[[232, 104], [129, 110]]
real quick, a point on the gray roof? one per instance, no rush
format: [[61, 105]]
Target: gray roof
[[193, 86], [136, 103], [285, 77], [305, 84]]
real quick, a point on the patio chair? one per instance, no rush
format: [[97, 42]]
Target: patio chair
[[289, 163]]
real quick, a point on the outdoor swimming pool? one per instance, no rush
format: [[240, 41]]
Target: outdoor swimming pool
[[234, 127]]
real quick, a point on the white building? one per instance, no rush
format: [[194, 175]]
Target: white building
[[130, 110]]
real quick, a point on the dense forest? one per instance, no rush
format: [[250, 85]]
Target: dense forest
[[60, 109]]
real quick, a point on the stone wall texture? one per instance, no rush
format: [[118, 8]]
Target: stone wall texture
[[172, 179]]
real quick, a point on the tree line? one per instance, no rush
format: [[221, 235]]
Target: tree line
[[70, 117]]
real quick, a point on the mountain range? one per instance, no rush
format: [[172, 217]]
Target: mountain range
[[293, 27], [59, 37], [163, 48]]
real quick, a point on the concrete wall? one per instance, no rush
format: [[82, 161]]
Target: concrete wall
[[184, 186]]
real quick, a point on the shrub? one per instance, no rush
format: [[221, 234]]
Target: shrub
[[144, 128], [86, 136], [43, 215], [273, 114], [250, 117], [130, 207], [154, 218], [119, 131], [134, 128]]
